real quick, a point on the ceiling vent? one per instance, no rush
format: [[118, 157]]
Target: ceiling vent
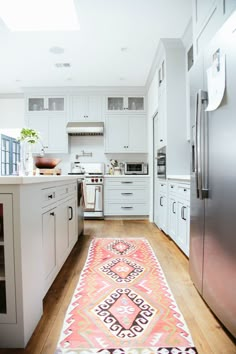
[[63, 65]]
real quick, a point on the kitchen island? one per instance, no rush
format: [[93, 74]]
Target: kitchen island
[[38, 229]]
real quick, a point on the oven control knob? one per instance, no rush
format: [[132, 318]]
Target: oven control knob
[[100, 179], [92, 180], [96, 180]]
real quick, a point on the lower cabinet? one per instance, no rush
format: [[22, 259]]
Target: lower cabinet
[[7, 264], [126, 196], [59, 230], [173, 210], [49, 250]]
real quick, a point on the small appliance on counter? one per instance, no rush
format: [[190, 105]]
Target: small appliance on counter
[[136, 168]]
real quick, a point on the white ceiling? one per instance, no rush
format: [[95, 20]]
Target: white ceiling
[[94, 52]]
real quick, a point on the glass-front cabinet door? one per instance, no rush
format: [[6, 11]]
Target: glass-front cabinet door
[[130, 104], [7, 271], [39, 104]]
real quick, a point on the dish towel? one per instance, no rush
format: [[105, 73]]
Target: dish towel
[[89, 196]]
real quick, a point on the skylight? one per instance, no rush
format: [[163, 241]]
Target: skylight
[[39, 15]]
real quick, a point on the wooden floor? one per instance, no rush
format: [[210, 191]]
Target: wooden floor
[[207, 333]]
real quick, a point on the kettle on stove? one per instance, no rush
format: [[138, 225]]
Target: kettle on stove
[[77, 168]]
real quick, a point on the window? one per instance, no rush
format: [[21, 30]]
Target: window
[[10, 155]]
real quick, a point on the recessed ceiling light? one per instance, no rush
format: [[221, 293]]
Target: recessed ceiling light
[[124, 49], [56, 50], [63, 65], [39, 15], [122, 78], [68, 79], [18, 80]]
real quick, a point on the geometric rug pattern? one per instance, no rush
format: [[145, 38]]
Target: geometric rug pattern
[[123, 305]]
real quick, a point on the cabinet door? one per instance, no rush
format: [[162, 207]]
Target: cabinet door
[[79, 107], [40, 123], [117, 134], [49, 247], [7, 271], [57, 137], [72, 221], [135, 104], [172, 211], [137, 134], [183, 227], [162, 212], [36, 104], [62, 239], [161, 141], [202, 11], [115, 104], [95, 108], [55, 104]]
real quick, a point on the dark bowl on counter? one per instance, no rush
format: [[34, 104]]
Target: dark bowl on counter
[[45, 162]]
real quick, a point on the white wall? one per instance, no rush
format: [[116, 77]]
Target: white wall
[[95, 145], [11, 113]]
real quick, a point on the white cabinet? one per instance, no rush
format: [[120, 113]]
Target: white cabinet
[[132, 104], [208, 16], [86, 108], [127, 196], [49, 241], [178, 214], [126, 133], [162, 220], [60, 233], [183, 226], [38, 104], [7, 264], [52, 131], [171, 131]]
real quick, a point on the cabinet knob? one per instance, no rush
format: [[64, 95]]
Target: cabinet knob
[[161, 140], [52, 214]]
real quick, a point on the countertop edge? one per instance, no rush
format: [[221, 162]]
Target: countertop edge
[[34, 179]]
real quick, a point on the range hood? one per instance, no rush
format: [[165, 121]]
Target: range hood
[[85, 128]]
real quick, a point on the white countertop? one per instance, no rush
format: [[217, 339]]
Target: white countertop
[[126, 176], [34, 179], [179, 177]]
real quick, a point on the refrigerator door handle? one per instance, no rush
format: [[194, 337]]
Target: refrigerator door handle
[[201, 146], [197, 144], [203, 141]]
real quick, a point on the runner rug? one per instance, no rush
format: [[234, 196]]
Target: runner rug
[[123, 304]]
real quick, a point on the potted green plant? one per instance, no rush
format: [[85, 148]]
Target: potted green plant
[[28, 138]]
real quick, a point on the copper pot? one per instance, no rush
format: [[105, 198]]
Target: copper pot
[[46, 162]]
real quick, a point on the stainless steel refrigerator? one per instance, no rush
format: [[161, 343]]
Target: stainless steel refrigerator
[[213, 181]]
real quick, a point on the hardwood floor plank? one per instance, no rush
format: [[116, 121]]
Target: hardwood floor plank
[[208, 335]]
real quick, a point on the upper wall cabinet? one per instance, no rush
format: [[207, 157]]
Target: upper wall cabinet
[[45, 103], [131, 104], [208, 16], [126, 134], [86, 108]]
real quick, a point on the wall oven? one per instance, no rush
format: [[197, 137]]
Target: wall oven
[[161, 162]]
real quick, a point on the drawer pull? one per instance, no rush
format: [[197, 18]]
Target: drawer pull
[[126, 182], [161, 201], [171, 186], [126, 207], [127, 193], [71, 213], [182, 213], [173, 208]]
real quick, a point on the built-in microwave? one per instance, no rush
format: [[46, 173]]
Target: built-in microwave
[[136, 168], [161, 163]]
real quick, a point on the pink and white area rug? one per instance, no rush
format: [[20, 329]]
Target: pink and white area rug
[[123, 304]]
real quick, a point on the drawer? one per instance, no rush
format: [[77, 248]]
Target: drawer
[[48, 196], [126, 182], [66, 190], [173, 188], [126, 195], [126, 209], [184, 191], [162, 187]]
